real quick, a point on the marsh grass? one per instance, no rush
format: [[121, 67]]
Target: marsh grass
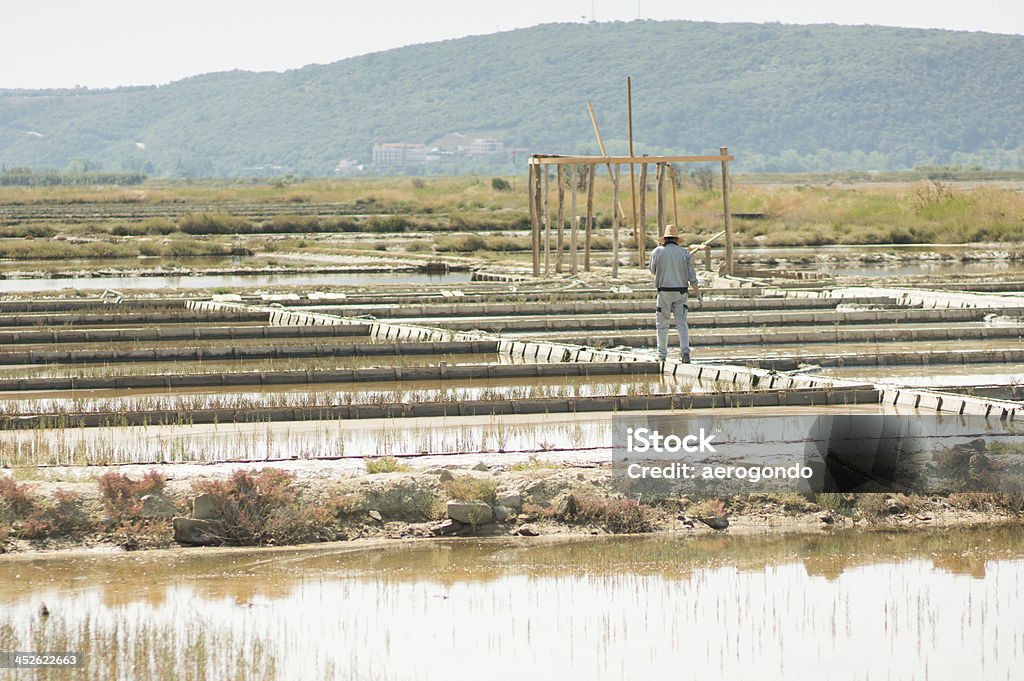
[[915, 211]]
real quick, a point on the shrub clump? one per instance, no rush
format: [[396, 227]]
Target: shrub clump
[[122, 496], [265, 508], [24, 515], [618, 516], [469, 488], [386, 464]]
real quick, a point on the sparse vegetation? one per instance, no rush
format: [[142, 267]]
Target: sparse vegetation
[[386, 464], [264, 508], [470, 488]]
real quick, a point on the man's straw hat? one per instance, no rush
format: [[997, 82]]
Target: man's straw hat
[[670, 231]]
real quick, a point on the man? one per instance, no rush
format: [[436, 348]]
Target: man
[[674, 273]]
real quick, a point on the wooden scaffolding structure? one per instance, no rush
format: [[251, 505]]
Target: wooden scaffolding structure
[[581, 172]]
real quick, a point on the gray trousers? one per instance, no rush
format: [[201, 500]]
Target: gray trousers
[[672, 303]]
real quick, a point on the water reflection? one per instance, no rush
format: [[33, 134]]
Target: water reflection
[[878, 606]]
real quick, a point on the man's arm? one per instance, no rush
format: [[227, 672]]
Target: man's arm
[[691, 274]]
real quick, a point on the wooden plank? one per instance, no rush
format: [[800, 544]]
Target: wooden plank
[[615, 221], [574, 217], [532, 191], [729, 262], [547, 222], [541, 159], [560, 242], [643, 207], [591, 177]]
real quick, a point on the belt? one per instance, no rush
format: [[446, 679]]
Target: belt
[[676, 289]]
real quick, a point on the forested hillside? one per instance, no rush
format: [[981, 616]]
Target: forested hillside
[[781, 97]]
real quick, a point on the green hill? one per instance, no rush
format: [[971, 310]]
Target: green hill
[[781, 97]]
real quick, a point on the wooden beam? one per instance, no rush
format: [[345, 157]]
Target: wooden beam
[[675, 201], [547, 222], [573, 217], [560, 239], [540, 159], [600, 144], [537, 211], [615, 222], [632, 173], [531, 191], [660, 185], [643, 206], [729, 264], [591, 177]]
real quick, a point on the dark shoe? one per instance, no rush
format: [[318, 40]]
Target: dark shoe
[[685, 359]]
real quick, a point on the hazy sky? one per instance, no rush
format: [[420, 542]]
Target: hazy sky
[[104, 43]]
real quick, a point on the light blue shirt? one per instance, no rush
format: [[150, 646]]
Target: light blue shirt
[[672, 267]]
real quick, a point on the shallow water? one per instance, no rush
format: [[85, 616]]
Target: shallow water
[[844, 606], [933, 374], [222, 281], [555, 436]]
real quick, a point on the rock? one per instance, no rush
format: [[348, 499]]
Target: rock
[[197, 532], [567, 507], [203, 508], [481, 466], [470, 512], [527, 531], [716, 522], [687, 522], [376, 516], [501, 514], [893, 506], [156, 506], [510, 500], [446, 528], [826, 518], [445, 475]]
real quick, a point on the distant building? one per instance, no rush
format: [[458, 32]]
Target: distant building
[[347, 166], [397, 154], [468, 145], [485, 145]]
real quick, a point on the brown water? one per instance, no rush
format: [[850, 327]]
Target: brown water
[[936, 606]]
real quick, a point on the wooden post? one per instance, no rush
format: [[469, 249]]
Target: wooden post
[[536, 188], [632, 173], [660, 181], [591, 177], [707, 256], [547, 223], [560, 239], [531, 192], [574, 219], [675, 202], [643, 207], [604, 152], [615, 221], [729, 264]]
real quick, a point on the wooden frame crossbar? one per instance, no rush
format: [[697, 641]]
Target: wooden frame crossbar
[[550, 159]]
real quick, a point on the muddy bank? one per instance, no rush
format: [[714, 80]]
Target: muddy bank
[[270, 506]]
